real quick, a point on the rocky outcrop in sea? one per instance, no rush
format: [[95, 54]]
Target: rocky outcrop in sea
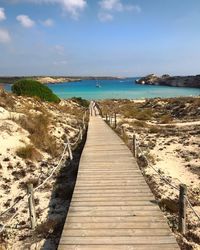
[[167, 80]]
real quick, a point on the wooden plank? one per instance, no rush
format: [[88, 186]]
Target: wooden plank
[[115, 225], [116, 232], [108, 171], [115, 219], [111, 194], [107, 213], [112, 203], [120, 247], [105, 209], [134, 240], [119, 192], [110, 177], [123, 181], [106, 187], [147, 197]]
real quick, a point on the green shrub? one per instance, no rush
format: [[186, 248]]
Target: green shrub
[[82, 102], [28, 87]]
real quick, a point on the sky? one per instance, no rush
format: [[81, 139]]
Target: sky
[[99, 37]]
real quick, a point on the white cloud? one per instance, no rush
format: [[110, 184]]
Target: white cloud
[[25, 21], [105, 17], [117, 5], [4, 36], [111, 5], [73, 7], [48, 22], [2, 14]]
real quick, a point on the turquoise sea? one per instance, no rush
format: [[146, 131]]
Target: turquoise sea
[[119, 89]]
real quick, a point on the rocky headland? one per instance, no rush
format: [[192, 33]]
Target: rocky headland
[[174, 81], [42, 79]]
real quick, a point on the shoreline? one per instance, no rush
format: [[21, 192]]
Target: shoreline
[[56, 79]]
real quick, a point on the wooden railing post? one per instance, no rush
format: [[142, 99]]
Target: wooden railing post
[[106, 117], [31, 205], [69, 149], [115, 120], [84, 116], [81, 134], [134, 146], [182, 208]]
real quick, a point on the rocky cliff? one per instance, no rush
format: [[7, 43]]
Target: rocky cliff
[[175, 81]]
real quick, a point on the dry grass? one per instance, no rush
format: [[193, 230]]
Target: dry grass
[[154, 129], [28, 152], [75, 111], [140, 124], [166, 119], [48, 227], [37, 126], [6, 100]]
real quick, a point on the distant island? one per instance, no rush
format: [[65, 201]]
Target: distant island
[[167, 80], [54, 79]]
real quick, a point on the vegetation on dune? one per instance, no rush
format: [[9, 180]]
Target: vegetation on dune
[[28, 87], [38, 126], [82, 102], [28, 152]]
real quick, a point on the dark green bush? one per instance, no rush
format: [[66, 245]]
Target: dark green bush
[[82, 102], [28, 87]]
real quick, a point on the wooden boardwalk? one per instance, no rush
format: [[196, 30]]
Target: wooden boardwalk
[[112, 206]]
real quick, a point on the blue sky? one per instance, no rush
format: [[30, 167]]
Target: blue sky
[[104, 37]]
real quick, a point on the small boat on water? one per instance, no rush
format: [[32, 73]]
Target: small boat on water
[[98, 85]]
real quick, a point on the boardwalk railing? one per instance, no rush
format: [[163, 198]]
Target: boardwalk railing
[[111, 119]]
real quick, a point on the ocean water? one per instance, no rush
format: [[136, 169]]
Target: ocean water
[[118, 89]]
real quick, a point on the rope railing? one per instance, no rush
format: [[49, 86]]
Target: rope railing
[[183, 199], [161, 176], [190, 205], [35, 189], [173, 186], [66, 152]]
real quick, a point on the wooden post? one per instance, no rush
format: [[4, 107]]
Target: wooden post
[[106, 117], [134, 146], [115, 120], [31, 205], [81, 134], [69, 149], [84, 121], [182, 208]]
